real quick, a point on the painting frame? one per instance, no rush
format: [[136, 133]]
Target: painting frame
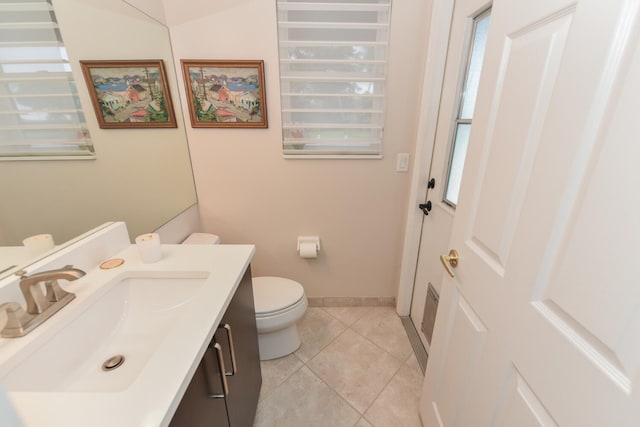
[[225, 93], [129, 94]]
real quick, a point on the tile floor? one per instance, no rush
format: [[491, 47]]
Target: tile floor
[[355, 367]]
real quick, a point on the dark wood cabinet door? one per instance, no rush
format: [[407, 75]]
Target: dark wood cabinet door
[[238, 339], [197, 409], [244, 384]]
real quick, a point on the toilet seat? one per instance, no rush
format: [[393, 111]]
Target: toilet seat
[[275, 295]]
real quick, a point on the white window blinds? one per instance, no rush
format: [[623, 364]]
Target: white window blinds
[[333, 60], [40, 113]]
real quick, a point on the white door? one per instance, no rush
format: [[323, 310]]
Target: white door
[[541, 324], [465, 54]]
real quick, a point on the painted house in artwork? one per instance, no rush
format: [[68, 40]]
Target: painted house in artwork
[[112, 101], [225, 116], [154, 106], [135, 93], [131, 95], [220, 93], [138, 116], [115, 96], [246, 101]]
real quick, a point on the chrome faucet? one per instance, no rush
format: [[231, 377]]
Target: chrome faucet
[[40, 306]]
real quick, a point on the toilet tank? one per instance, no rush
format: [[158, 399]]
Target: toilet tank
[[201, 239]]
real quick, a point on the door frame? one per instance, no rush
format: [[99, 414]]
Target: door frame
[[434, 68]]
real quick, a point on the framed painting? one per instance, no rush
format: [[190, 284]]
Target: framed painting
[[225, 94], [129, 93]]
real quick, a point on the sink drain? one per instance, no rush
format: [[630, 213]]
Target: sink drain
[[113, 362]]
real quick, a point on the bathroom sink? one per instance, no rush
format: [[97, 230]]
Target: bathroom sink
[[160, 316], [131, 319]]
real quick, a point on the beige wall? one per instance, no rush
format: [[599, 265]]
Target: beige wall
[[249, 194]]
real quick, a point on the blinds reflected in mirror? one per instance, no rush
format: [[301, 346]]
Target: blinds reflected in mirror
[[40, 112]]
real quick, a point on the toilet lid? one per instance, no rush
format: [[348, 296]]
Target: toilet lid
[[275, 293]]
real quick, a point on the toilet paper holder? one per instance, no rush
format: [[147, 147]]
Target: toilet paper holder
[[309, 239]]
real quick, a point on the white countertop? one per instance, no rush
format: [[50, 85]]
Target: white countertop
[[152, 399]]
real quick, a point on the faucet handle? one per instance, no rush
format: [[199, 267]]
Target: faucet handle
[[54, 292], [17, 320]]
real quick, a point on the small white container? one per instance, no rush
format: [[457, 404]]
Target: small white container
[[149, 248]]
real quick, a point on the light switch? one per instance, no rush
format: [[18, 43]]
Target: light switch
[[402, 162]]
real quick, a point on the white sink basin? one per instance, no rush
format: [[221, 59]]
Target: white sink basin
[[131, 319]]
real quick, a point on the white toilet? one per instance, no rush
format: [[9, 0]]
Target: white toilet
[[279, 304]]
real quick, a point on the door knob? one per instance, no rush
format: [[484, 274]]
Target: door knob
[[450, 261], [426, 207]]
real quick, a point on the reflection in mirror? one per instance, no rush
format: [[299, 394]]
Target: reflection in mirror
[[16, 258], [141, 176], [40, 112]]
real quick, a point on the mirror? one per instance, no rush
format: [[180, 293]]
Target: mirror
[[141, 176]]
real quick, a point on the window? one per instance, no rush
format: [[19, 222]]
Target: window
[[333, 60], [40, 113], [468, 96]]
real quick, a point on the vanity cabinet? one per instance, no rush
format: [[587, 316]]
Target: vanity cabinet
[[234, 348]]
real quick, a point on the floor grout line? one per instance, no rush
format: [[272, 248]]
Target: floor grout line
[[345, 327], [362, 414]]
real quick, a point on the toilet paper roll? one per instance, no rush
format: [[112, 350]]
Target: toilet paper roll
[[38, 244], [308, 250], [149, 247]]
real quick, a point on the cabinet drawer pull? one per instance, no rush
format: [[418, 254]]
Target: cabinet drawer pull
[[232, 350], [225, 385]]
